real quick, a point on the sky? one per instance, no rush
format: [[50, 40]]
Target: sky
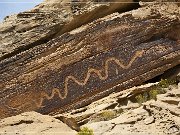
[[8, 7]]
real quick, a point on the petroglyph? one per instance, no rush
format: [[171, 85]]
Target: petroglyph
[[51, 70], [90, 71]]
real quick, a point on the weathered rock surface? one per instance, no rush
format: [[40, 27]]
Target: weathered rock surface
[[152, 118], [172, 74], [48, 66], [81, 66], [116, 102], [50, 19], [32, 123]]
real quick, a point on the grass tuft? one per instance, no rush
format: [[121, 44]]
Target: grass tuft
[[85, 131]]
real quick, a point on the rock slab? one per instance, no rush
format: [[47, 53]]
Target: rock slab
[[32, 123], [74, 69]]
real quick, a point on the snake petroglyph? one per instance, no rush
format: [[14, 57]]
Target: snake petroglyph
[[56, 91]]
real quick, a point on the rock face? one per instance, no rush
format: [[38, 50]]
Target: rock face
[[88, 63], [160, 117], [117, 113], [34, 124], [49, 20]]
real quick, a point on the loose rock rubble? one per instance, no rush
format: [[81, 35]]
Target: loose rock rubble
[[153, 117]]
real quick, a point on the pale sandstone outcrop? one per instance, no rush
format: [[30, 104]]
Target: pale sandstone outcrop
[[32, 123], [159, 117]]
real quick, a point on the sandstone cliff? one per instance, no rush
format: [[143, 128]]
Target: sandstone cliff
[[63, 55]]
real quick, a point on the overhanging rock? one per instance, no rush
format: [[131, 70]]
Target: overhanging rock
[[78, 67]]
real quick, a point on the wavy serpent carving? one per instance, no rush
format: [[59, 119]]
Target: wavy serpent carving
[[90, 71]]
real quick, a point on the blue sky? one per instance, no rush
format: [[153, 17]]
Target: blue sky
[[8, 7]]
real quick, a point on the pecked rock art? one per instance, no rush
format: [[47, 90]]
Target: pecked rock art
[[90, 71], [94, 77], [72, 70]]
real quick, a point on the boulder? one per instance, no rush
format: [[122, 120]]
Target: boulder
[[34, 123]]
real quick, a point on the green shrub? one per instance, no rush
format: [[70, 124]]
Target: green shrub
[[85, 131], [107, 115], [164, 83], [152, 94], [141, 98]]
